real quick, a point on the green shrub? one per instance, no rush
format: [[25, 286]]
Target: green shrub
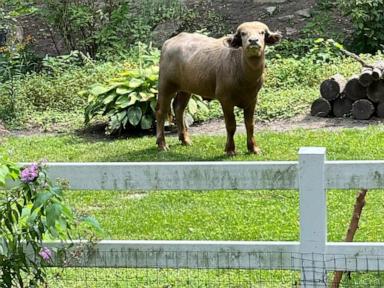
[[56, 92], [107, 27], [368, 19], [31, 212], [131, 98]]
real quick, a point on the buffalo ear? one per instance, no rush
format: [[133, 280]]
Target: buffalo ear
[[235, 40], [272, 37]]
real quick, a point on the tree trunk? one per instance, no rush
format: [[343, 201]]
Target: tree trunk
[[366, 77], [376, 91], [362, 109], [342, 107], [331, 88], [353, 226], [321, 108], [354, 90]]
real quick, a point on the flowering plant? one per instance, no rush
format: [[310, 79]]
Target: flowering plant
[[30, 212]]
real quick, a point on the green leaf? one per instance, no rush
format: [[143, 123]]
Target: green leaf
[[114, 123], [153, 77], [146, 122], [145, 96], [53, 214], [202, 107], [4, 171], [131, 74], [98, 90], [153, 90], [134, 115], [192, 106], [93, 223], [3, 246], [123, 91], [153, 105], [109, 98], [125, 101], [41, 199], [67, 212], [134, 83]]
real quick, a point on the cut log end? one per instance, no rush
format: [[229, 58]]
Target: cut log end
[[342, 107], [377, 73], [354, 90], [321, 108], [362, 109], [380, 110], [331, 88], [375, 91], [366, 77]]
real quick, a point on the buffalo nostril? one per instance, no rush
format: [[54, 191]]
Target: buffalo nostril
[[253, 41]]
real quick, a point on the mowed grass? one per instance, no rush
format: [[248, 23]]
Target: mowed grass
[[214, 215], [341, 144], [206, 215]]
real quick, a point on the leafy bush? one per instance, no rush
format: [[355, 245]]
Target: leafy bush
[[57, 90], [368, 19], [31, 212], [103, 27], [318, 50], [202, 16], [131, 98]]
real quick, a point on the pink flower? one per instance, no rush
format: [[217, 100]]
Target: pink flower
[[30, 173], [46, 254]]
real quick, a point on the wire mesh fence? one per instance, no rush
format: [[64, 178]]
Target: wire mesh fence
[[286, 270]]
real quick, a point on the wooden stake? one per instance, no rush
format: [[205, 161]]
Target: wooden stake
[[353, 226]]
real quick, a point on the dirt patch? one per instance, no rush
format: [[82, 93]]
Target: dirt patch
[[217, 127], [3, 130]]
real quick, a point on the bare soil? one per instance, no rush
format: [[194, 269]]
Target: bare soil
[[217, 126]]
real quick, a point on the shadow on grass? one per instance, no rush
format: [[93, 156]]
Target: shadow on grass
[[97, 132], [151, 154]]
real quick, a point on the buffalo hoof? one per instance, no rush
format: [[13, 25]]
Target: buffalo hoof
[[255, 150], [163, 148], [231, 153], [186, 142]]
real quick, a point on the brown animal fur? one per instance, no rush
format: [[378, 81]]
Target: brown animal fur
[[229, 69]]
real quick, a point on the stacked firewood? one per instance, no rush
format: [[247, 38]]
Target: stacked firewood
[[361, 96]]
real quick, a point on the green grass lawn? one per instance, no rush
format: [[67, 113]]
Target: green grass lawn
[[341, 144], [213, 215]]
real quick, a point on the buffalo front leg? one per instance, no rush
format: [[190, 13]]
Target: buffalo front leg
[[179, 104], [162, 110], [249, 126], [230, 125]]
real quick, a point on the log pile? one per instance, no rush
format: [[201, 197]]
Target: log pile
[[361, 96]]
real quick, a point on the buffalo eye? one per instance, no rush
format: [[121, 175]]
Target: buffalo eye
[[243, 34]]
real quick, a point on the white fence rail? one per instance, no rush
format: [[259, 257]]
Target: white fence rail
[[312, 175]]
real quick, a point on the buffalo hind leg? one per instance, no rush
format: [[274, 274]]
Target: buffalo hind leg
[[249, 126], [230, 125], [179, 104], [162, 109]]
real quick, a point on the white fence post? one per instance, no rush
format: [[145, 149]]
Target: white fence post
[[313, 216]]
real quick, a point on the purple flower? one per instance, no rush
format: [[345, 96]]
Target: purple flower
[[30, 173], [46, 254]]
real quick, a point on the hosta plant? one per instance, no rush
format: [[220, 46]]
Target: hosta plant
[[130, 100]]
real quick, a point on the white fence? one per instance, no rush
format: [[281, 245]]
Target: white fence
[[312, 175]]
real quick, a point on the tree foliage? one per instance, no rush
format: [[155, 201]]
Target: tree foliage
[[368, 19]]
